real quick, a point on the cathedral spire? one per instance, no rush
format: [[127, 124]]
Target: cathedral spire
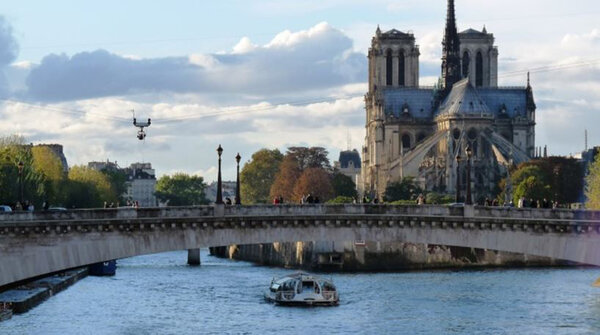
[[451, 52]]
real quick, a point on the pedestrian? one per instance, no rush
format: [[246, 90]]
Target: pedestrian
[[520, 203], [420, 199], [545, 203], [309, 199], [276, 201], [137, 204], [316, 200], [105, 204], [280, 199], [227, 201], [365, 200], [495, 203], [46, 205]]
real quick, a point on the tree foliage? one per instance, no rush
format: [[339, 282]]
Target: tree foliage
[[407, 189], [258, 175], [89, 188], [592, 185], [316, 182], [286, 178], [313, 157], [343, 185], [341, 200], [556, 178], [181, 189]]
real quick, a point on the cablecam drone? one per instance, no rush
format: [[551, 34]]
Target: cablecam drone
[[141, 134]]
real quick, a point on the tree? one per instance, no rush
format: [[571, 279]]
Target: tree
[[181, 189], [286, 178], [118, 181], [312, 157], [407, 189], [48, 165], [12, 151], [343, 185], [592, 185], [532, 187], [257, 176], [89, 188], [314, 181]]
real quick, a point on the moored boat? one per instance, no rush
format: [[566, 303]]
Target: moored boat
[[302, 289]]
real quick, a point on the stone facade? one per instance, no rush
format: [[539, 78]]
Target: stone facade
[[419, 131]]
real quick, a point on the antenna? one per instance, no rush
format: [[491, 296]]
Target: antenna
[[349, 140]]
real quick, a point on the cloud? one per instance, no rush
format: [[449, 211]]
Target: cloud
[[9, 50], [320, 57]]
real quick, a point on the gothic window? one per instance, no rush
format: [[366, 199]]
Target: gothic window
[[456, 134], [479, 70], [465, 64], [388, 68], [406, 141], [401, 69]]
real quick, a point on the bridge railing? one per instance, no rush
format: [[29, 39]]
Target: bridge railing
[[325, 209]]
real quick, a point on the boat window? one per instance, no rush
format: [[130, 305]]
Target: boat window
[[328, 287], [307, 285]]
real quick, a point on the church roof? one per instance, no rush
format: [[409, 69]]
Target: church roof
[[471, 31], [349, 156], [464, 99], [396, 34], [417, 100], [512, 101]]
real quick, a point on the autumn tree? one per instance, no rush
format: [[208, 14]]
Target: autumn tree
[[592, 185], [258, 175], [315, 181], [286, 178], [53, 176], [181, 189]]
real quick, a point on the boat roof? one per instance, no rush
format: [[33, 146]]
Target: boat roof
[[301, 276]]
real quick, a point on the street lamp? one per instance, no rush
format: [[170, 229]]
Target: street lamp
[[469, 153], [238, 199], [20, 166], [219, 199], [458, 177]]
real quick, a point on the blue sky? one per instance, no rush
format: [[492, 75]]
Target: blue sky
[[229, 64]]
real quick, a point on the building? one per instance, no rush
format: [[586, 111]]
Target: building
[[349, 164], [140, 181], [141, 184], [423, 132]]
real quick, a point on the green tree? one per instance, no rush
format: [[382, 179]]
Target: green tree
[[52, 174], [117, 179], [343, 185], [407, 189], [181, 189], [89, 188], [12, 151], [532, 187], [313, 157], [257, 176], [592, 185]]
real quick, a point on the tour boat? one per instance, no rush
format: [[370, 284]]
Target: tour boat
[[302, 289]]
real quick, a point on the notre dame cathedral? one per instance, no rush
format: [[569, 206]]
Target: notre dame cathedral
[[422, 132]]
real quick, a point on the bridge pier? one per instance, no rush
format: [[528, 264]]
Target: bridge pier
[[193, 257]]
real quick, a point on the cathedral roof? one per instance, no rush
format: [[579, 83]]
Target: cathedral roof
[[417, 101], [464, 99], [396, 34], [471, 31]]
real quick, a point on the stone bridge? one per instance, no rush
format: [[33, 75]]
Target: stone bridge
[[33, 244]]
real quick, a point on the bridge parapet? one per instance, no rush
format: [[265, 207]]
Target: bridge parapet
[[351, 209]]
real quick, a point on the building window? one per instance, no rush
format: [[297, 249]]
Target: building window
[[401, 81], [465, 64], [479, 70], [406, 141], [388, 68]]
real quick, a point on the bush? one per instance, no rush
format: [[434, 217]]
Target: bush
[[341, 200], [438, 199], [403, 202]]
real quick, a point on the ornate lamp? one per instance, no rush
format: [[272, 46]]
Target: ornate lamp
[[469, 153], [219, 199], [238, 200]]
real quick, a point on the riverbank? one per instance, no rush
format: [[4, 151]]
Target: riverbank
[[25, 297]]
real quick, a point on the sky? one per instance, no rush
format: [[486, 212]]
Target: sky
[[263, 74]]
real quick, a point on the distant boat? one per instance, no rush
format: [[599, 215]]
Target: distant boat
[[302, 289], [108, 268]]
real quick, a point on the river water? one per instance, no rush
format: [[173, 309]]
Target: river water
[[160, 294]]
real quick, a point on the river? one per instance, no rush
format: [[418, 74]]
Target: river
[[160, 294]]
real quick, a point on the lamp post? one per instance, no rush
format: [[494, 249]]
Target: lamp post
[[457, 178], [238, 199], [20, 166], [469, 153], [219, 199]]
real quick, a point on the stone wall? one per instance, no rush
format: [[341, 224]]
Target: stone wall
[[377, 256]]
